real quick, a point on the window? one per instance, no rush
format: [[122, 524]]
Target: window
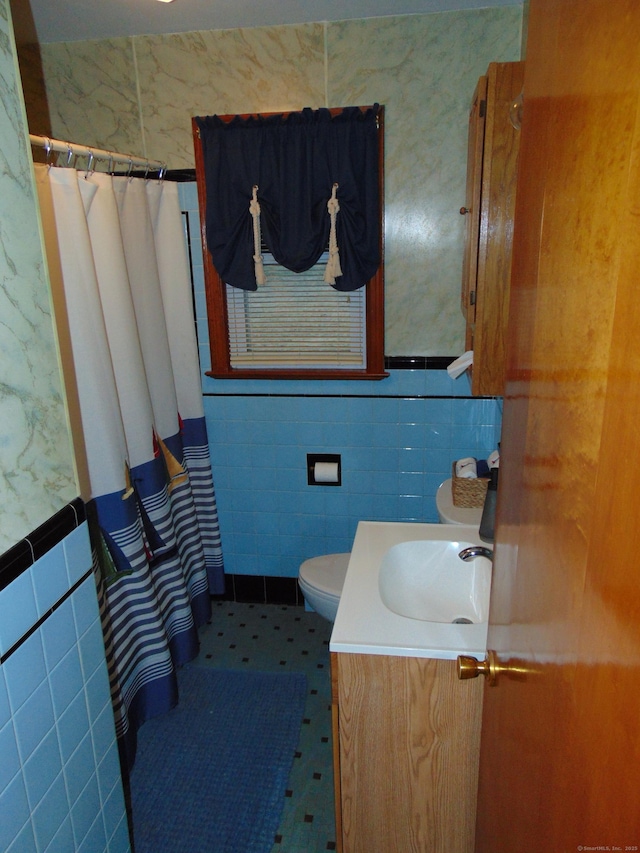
[[294, 325]]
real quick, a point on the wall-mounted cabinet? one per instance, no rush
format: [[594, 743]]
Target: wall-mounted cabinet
[[489, 210]]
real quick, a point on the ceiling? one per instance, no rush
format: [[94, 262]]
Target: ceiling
[[73, 20]]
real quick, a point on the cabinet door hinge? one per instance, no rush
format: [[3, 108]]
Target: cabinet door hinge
[[483, 109], [472, 297]]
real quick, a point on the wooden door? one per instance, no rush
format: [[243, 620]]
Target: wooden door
[[560, 751]]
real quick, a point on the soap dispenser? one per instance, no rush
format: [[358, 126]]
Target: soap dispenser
[[488, 520]]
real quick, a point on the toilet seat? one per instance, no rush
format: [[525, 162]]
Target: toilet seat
[[321, 580], [326, 573]]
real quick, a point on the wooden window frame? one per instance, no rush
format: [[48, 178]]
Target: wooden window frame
[[216, 297]]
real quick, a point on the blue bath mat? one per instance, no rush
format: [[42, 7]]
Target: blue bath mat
[[210, 776]]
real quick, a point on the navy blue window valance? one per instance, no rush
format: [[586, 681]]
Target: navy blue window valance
[[296, 161]]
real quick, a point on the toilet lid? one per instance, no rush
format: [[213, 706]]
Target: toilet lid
[[326, 573]]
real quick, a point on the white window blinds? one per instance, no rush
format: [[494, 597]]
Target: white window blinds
[[296, 320]]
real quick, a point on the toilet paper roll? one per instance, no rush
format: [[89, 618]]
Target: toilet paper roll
[[467, 468], [325, 472]]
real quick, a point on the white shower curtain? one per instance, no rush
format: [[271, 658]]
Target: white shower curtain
[[119, 246]]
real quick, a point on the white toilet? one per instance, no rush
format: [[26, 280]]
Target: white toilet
[[450, 514], [321, 580]]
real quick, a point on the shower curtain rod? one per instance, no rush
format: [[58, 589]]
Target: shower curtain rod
[[71, 149]]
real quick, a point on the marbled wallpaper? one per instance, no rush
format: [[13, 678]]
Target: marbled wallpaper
[[36, 469], [138, 95], [424, 69]]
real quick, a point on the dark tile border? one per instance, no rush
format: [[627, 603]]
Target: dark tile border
[[261, 589], [24, 553], [418, 362], [249, 589], [282, 591], [392, 362]]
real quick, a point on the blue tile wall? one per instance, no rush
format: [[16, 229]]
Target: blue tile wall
[[60, 783], [397, 439]]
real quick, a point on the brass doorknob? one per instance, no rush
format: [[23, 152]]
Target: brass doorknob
[[464, 210], [518, 670], [469, 667]]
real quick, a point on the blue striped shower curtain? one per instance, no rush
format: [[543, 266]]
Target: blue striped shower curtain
[[117, 247]]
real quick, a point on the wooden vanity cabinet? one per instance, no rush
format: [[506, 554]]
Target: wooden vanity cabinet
[[406, 740], [492, 161]]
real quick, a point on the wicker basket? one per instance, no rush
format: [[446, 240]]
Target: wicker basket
[[468, 492]]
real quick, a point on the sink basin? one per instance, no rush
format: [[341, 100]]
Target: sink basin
[[366, 624], [427, 580]]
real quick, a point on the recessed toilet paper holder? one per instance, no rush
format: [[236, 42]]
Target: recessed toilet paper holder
[[324, 469]]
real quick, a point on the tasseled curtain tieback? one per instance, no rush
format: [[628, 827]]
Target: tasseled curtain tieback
[[333, 269], [254, 208]]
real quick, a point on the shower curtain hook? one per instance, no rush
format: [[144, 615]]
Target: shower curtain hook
[[146, 171], [89, 164], [110, 164], [129, 175], [69, 155], [47, 148]]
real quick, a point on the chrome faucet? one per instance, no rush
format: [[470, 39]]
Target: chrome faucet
[[475, 551]]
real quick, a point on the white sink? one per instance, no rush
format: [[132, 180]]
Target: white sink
[[427, 580], [365, 624]]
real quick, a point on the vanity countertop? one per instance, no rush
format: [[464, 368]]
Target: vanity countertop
[[365, 625]]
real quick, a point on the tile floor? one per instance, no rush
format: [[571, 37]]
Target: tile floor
[[275, 638]]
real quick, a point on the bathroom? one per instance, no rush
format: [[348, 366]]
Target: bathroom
[[397, 437]]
